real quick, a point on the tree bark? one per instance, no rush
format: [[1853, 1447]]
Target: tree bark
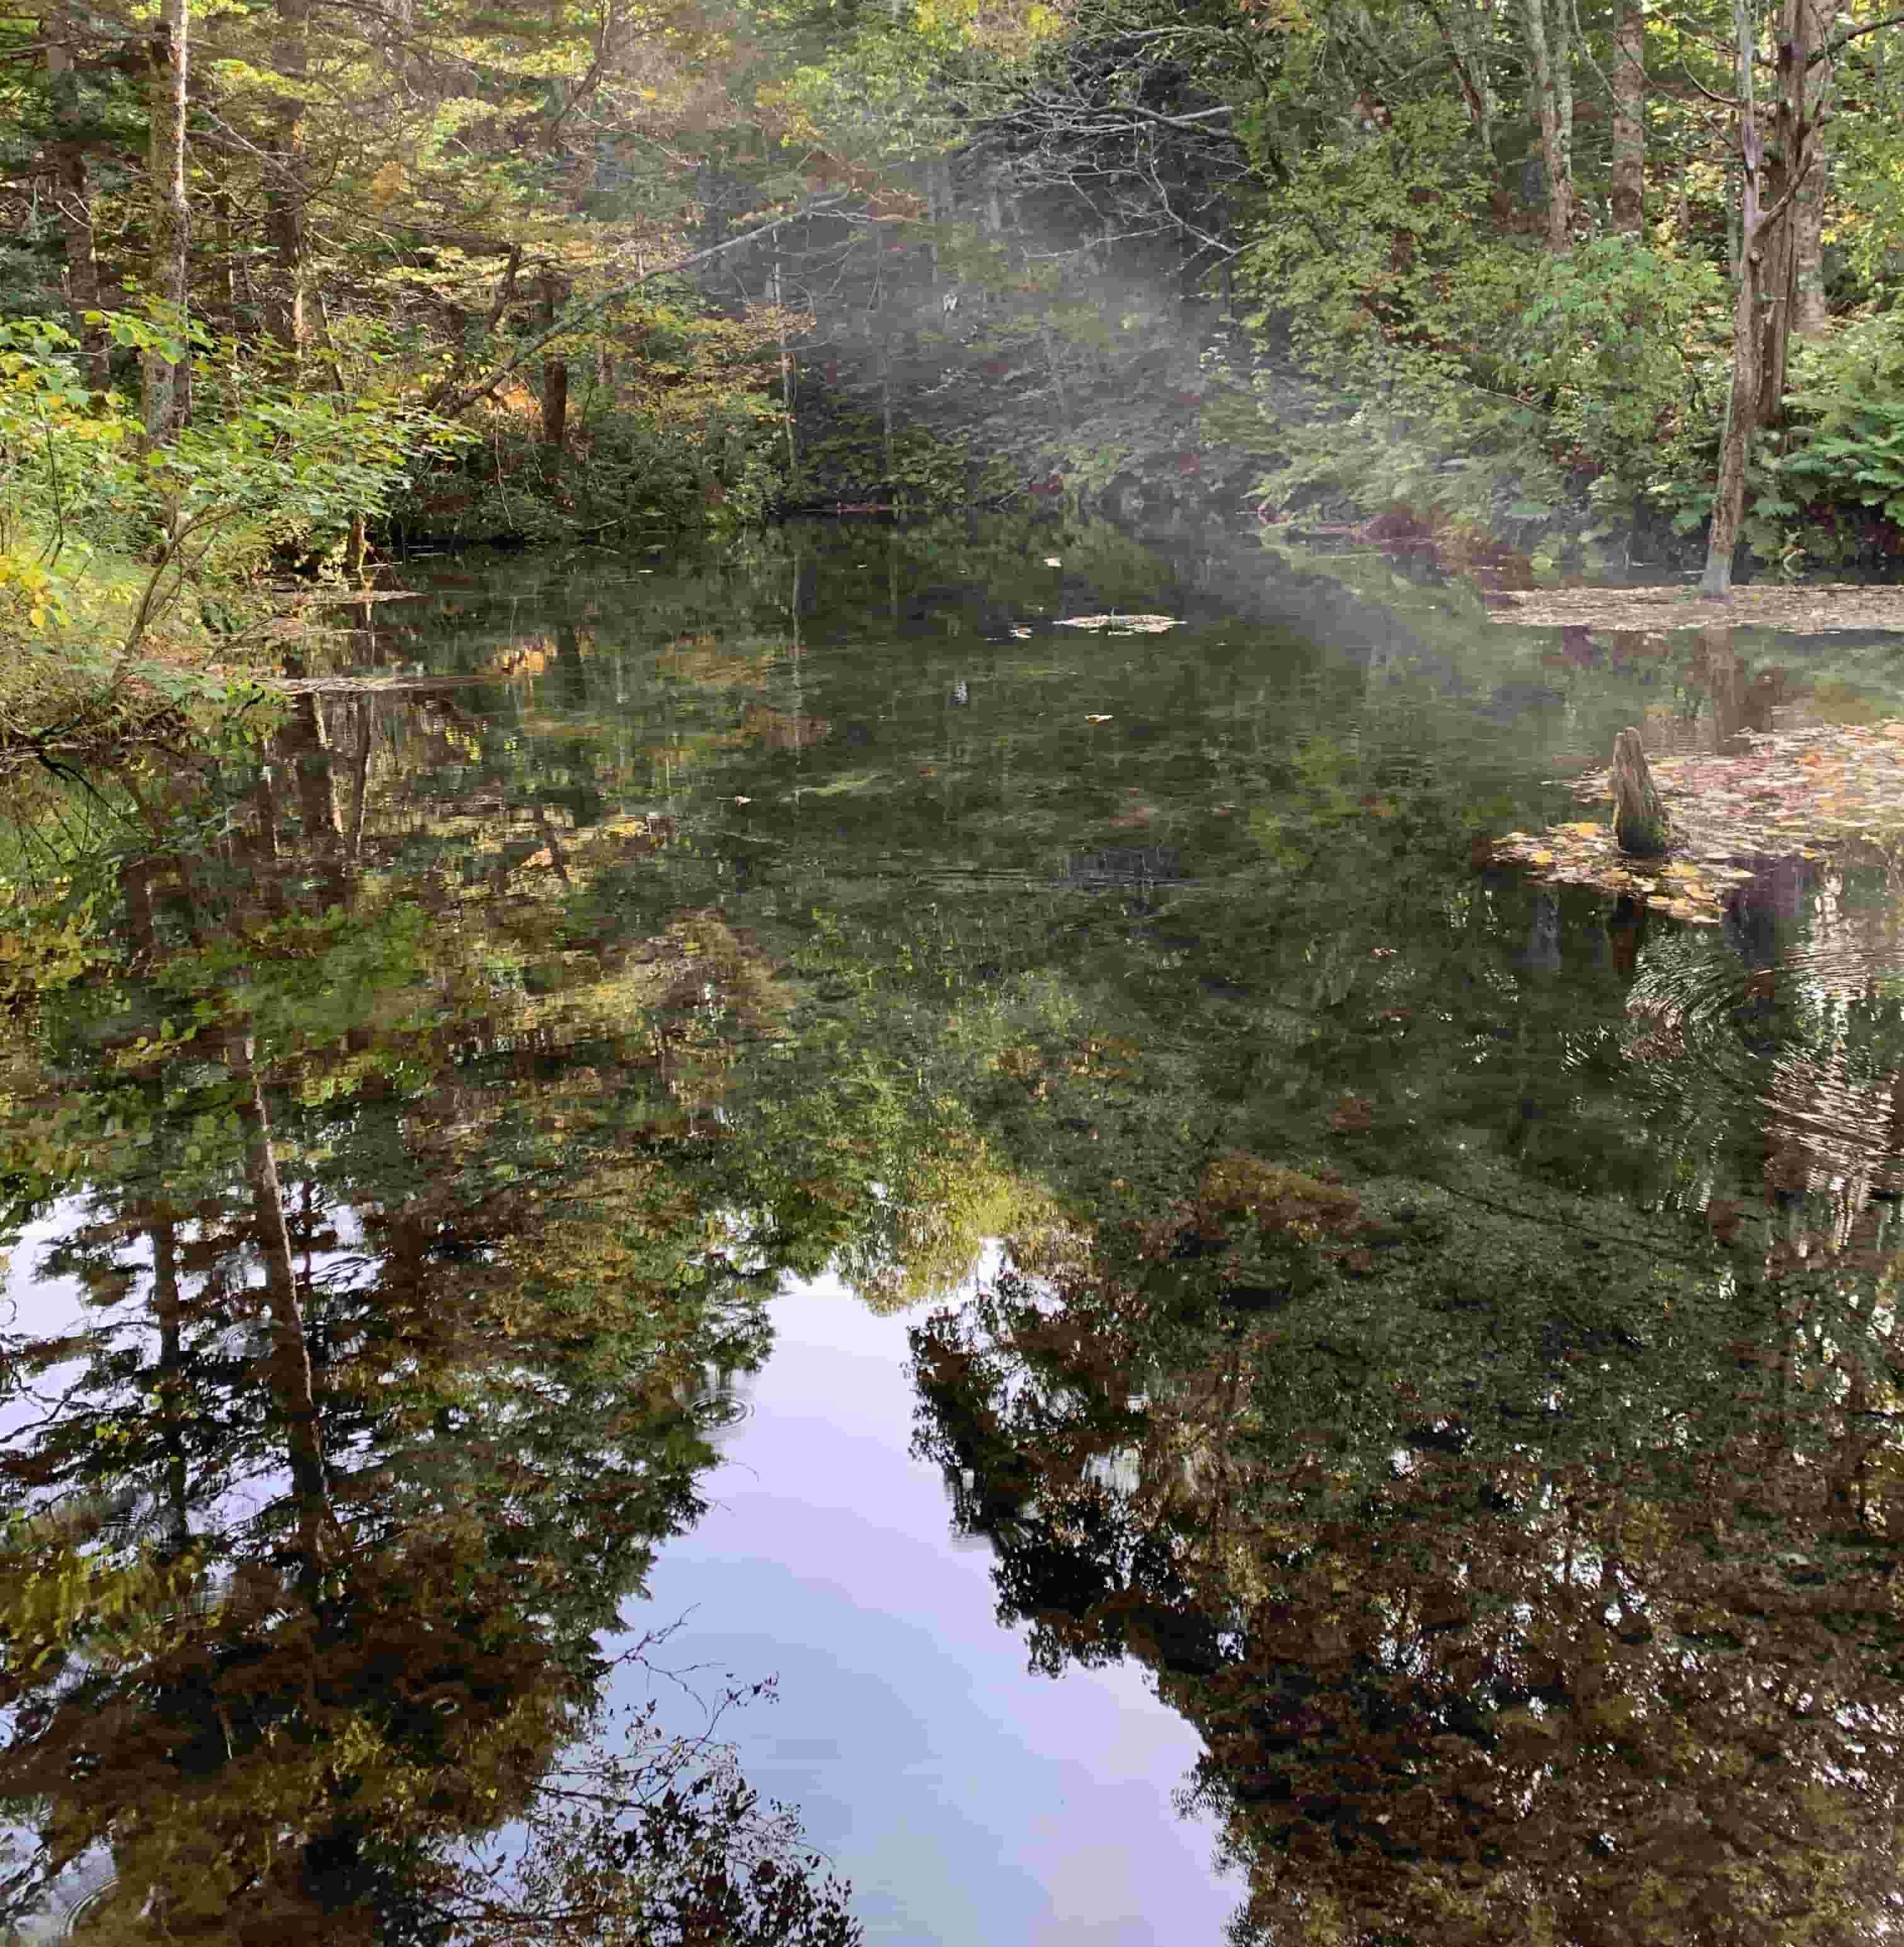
[[1549, 46], [167, 55], [1768, 190], [1639, 820], [169, 1311], [554, 374], [1741, 403], [304, 745], [73, 196], [285, 193], [1810, 314], [1628, 79], [293, 1392]]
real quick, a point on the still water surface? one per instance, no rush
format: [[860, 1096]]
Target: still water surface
[[1236, 1363]]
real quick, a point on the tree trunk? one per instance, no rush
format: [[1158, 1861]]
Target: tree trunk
[[1768, 191], [554, 376], [886, 406], [1464, 37], [360, 782], [1795, 166], [293, 1393], [284, 192], [224, 255], [786, 365], [304, 745], [73, 196], [1639, 822], [170, 1313], [939, 206], [1810, 315], [167, 55], [1549, 48], [1742, 402], [1742, 409], [1629, 117]]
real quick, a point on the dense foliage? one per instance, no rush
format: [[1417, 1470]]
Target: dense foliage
[[660, 266]]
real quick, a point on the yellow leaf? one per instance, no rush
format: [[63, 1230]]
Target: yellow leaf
[[1590, 829], [1540, 857]]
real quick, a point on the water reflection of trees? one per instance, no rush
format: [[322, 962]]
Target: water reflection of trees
[[409, 1315], [1510, 1604]]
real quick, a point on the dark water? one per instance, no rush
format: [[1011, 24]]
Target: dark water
[[1237, 1368]]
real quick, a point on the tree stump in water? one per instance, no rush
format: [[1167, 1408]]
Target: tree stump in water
[[1639, 822]]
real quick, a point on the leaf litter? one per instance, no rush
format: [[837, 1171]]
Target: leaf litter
[[1805, 609], [1805, 794], [1121, 625]]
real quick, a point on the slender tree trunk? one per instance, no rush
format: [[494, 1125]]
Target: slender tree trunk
[[224, 254], [1787, 161], [1742, 403], [1810, 315], [360, 782], [167, 57], [1549, 46], [1742, 409], [293, 1392], [939, 205], [786, 363], [554, 290], [1055, 365], [170, 1313], [1560, 41], [304, 743], [73, 196], [1464, 37], [284, 192], [1629, 117], [886, 406]]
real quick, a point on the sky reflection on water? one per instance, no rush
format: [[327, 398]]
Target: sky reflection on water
[[968, 1798]]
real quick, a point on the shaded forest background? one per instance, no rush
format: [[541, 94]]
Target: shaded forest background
[[1538, 279]]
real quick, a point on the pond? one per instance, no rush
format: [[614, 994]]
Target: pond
[[788, 1118]]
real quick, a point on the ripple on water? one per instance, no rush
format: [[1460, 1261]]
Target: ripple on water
[[1802, 1053]]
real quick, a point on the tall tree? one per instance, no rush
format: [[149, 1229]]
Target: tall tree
[[1629, 79], [1770, 177], [73, 189], [168, 54], [284, 183], [1810, 314], [1548, 25]]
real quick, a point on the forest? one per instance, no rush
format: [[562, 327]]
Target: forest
[[1569, 288], [576, 756]]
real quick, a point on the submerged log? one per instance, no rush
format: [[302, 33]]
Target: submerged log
[[1639, 820]]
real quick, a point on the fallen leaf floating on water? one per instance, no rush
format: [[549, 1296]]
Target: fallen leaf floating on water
[[1097, 720], [1795, 794], [1139, 625]]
